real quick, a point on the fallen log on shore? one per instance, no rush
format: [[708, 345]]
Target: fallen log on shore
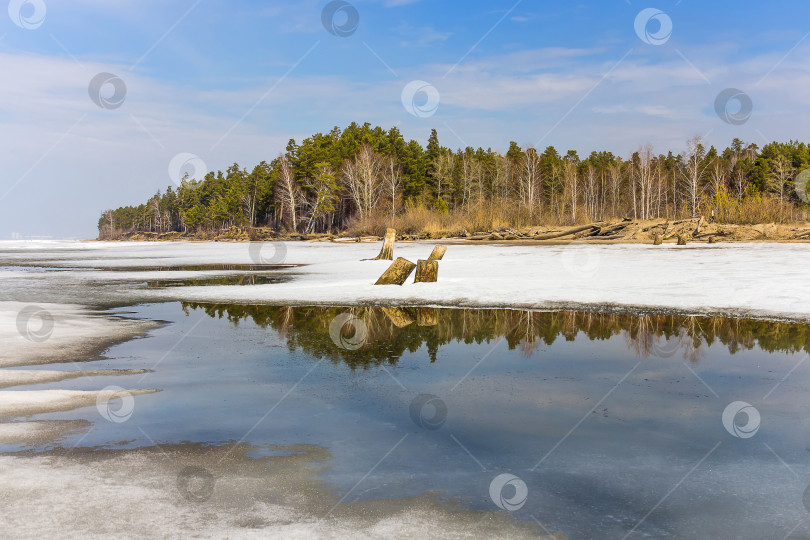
[[567, 232]]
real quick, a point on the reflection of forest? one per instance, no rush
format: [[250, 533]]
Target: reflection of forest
[[389, 332]]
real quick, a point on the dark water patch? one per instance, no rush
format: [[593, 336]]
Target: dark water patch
[[240, 279], [201, 268]]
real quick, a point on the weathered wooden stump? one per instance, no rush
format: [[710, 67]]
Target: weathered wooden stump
[[658, 240], [426, 271], [397, 273], [398, 316], [387, 251], [681, 240], [427, 316], [437, 253], [712, 240]]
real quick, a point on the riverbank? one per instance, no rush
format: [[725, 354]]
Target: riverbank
[[614, 232]]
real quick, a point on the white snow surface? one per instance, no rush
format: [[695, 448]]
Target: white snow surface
[[764, 279]]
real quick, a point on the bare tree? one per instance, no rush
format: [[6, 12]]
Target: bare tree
[[780, 174], [530, 179], [693, 173], [362, 177], [287, 193], [392, 176]]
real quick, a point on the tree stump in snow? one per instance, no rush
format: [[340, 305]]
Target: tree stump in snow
[[681, 240], [387, 251], [437, 253], [426, 271], [712, 240], [397, 273], [658, 240], [398, 316], [427, 316]]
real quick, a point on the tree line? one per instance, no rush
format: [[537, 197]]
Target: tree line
[[331, 181]]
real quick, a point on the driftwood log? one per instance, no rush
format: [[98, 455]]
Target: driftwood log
[[658, 240], [802, 234], [397, 273], [437, 253], [387, 251], [426, 271], [568, 232]]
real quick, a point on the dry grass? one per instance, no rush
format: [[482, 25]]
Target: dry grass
[[414, 219], [755, 209]]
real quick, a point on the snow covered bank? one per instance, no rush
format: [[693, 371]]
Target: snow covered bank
[[48, 333], [756, 279], [752, 279]]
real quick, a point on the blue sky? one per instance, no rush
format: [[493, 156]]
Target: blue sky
[[232, 81]]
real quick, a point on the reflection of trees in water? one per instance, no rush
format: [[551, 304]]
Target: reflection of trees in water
[[392, 331]]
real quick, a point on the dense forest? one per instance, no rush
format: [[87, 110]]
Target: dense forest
[[365, 178]]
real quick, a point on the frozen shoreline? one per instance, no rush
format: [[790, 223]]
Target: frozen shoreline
[[755, 279]]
